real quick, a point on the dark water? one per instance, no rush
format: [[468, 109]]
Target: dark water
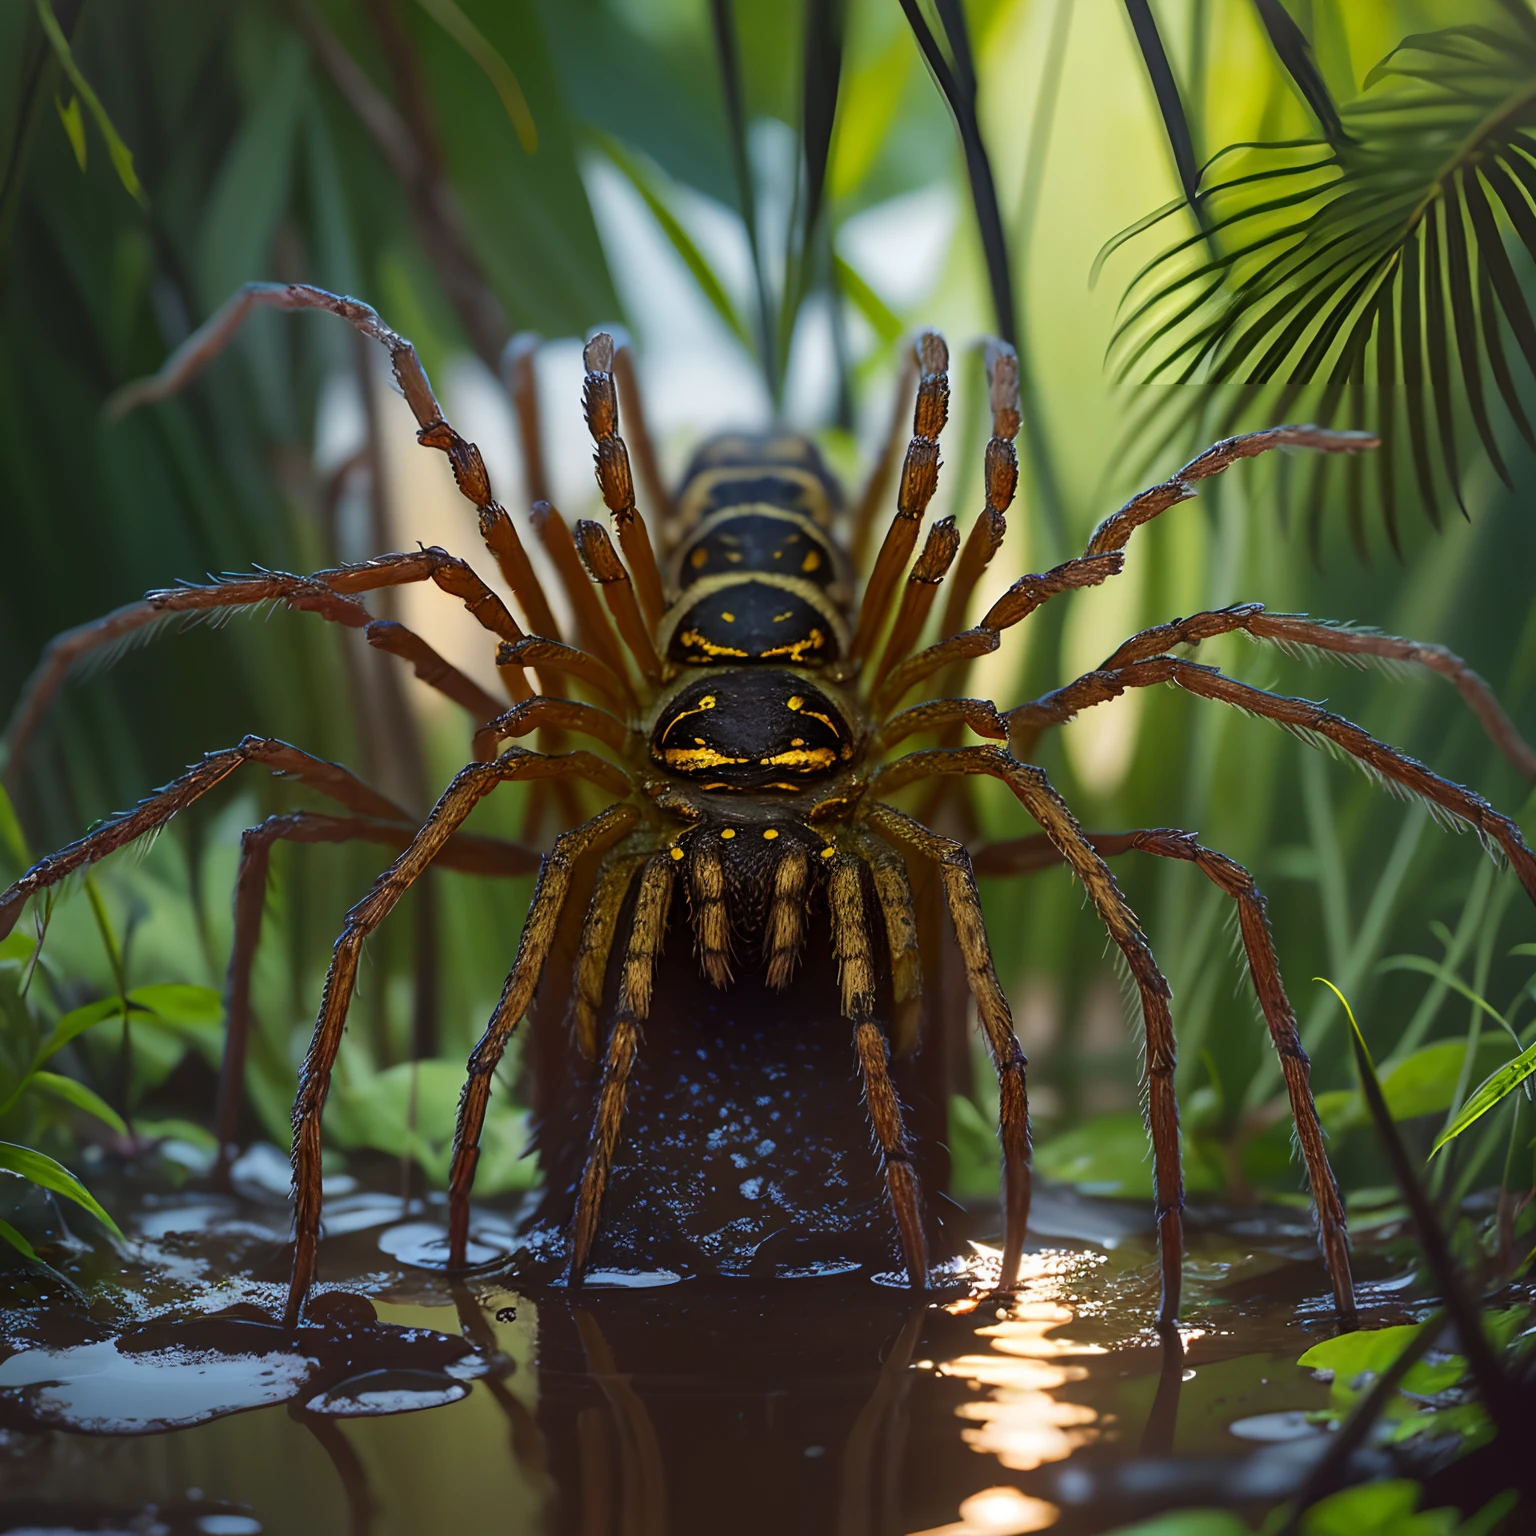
[[832, 1403]]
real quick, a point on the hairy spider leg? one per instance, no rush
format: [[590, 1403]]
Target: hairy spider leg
[[593, 628], [533, 946], [463, 851], [861, 525], [1308, 720], [706, 903], [632, 402], [607, 570], [469, 786], [647, 933], [1026, 854], [323, 592], [1296, 633], [964, 901], [784, 929], [329, 779], [978, 715], [542, 712], [600, 401], [919, 480], [1001, 475], [923, 582], [856, 980], [893, 891], [1034, 792], [615, 875]]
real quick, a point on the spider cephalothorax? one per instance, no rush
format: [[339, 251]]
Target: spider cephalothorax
[[743, 713]]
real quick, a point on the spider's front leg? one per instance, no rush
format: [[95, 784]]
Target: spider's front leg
[[468, 788]]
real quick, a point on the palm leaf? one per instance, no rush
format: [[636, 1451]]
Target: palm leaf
[[1380, 272]]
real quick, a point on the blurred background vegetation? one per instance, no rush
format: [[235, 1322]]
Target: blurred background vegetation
[[584, 145]]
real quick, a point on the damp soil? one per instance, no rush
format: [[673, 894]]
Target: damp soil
[[146, 1388]]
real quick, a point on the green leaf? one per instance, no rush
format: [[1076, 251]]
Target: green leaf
[[485, 53], [1524, 949], [74, 126], [703, 274], [1493, 1089], [1189, 1522], [1421, 1084], [66, 1088], [40, 1169], [76, 1022], [121, 156], [1109, 1155], [1446, 978], [17, 948], [974, 1166], [17, 1241]]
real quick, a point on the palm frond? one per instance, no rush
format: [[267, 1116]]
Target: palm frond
[[1160, 72], [1377, 274], [1295, 52]]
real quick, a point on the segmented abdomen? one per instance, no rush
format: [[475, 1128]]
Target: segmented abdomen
[[763, 589]]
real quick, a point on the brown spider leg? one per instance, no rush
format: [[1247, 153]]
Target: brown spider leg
[[533, 947], [1034, 792], [469, 786], [1026, 854], [593, 628], [919, 480], [1002, 480], [469, 471], [470, 854], [980, 715], [614, 877], [633, 405], [784, 928], [607, 570], [1015, 605], [329, 779], [648, 930], [320, 593], [519, 373], [883, 470], [706, 900], [1300, 716], [567, 661], [856, 981], [541, 712], [893, 891], [1293, 632], [1008, 1059], [600, 401], [923, 582]]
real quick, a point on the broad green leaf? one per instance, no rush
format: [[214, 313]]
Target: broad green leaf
[[480, 48], [17, 948], [1110, 1155], [66, 1088], [189, 1131], [40, 1169], [122, 157], [74, 126], [682, 242], [16, 1240], [180, 1004], [1385, 1508], [1524, 949], [1421, 1084], [77, 1021], [1493, 1089]]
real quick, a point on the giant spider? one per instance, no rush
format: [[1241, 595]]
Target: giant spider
[[748, 725]]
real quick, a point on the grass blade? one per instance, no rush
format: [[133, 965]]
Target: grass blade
[[1459, 1303], [1495, 1088], [484, 52], [79, 1097]]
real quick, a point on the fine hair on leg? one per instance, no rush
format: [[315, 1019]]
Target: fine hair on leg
[[1008, 1060], [533, 947], [1035, 793], [856, 982], [1027, 854]]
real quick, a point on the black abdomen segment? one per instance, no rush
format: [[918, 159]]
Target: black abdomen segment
[[762, 588]]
